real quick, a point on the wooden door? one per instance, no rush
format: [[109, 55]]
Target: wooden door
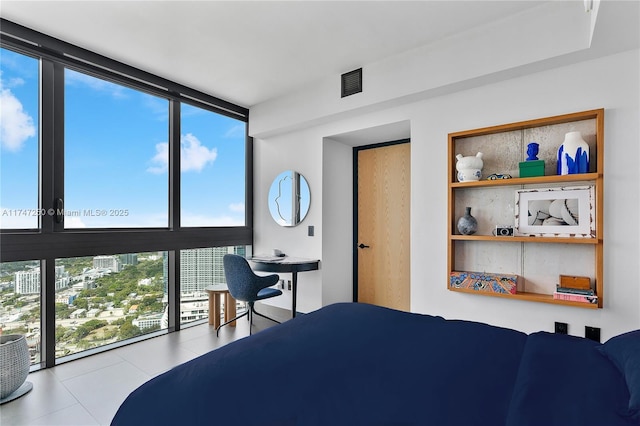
[[383, 229]]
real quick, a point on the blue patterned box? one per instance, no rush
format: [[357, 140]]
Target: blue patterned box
[[483, 281]]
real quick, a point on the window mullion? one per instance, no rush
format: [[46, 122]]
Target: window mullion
[[46, 196], [248, 214], [47, 167], [51, 145], [173, 290], [58, 146], [174, 165], [48, 313]]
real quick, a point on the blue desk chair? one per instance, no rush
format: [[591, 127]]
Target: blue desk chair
[[245, 286]]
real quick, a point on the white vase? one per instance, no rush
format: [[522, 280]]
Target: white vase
[[573, 155]]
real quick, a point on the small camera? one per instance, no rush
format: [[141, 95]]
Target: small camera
[[503, 231]]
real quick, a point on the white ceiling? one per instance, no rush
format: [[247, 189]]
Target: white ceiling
[[248, 52]]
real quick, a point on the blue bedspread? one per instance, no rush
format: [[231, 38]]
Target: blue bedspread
[[347, 364]]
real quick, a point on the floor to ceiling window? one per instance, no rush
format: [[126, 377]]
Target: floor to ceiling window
[[108, 299], [114, 138], [120, 191], [200, 268], [212, 179], [19, 140]]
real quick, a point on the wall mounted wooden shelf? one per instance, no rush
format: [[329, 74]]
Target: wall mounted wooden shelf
[[538, 260]]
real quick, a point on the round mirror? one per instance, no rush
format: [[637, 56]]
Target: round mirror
[[289, 198]]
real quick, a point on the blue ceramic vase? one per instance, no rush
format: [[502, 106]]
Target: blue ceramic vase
[[467, 224], [573, 155]]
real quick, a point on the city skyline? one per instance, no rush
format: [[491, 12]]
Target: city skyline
[[87, 296]]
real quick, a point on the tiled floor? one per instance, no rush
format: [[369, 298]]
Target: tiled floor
[[89, 391]]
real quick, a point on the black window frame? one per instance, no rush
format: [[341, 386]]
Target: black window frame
[[51, 241]]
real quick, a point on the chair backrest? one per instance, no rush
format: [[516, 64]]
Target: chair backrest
[[243, 283]]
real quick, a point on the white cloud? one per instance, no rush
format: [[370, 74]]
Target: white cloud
[[193, 155], [161, 158], [237, 207], [16, 126], [235, 131], [14, 82]]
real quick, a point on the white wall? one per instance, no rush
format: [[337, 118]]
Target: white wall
[[290, 152], [337, 223], [610, 82], [445, 65]]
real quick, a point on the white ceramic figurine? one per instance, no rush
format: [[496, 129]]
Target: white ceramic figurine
[[469, 168]]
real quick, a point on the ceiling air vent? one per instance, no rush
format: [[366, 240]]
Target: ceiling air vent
[[351, 82]]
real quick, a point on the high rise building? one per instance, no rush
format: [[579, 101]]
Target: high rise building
[[129, 259], [28, 282], [202, 267], [107, 262]]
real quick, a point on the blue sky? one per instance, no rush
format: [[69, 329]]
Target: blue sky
[[116, 155]]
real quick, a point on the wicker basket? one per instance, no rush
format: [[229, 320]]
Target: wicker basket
[[14, 363]]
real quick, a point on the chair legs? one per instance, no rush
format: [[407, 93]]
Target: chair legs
[[249, 314], [246, 313], [252, 309]]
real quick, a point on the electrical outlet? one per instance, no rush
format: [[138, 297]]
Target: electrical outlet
[[592, 333], [311, 230], [288, 284], [562, 328]]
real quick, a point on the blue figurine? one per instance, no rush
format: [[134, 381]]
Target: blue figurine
[[532, 151]]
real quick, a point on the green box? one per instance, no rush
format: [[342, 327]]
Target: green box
[[532, 168]]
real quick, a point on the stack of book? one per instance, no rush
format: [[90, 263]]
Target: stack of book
[[575, 289], [575, 295]]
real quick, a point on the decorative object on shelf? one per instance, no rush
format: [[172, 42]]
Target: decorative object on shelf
[[503, 231], [469, 168], [14, 367], [571, 297], [575, 289], [555, 212], [532, 167], [532, 151], [573, 155], [467, 224], [570, 281], [496, 176], [484, 281]]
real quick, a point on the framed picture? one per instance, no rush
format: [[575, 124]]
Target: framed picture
[[555, 212]]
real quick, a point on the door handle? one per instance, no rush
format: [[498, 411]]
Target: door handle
[[58, 204], [363, 246]]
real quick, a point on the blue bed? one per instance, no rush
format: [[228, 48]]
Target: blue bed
[[357, 364]]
